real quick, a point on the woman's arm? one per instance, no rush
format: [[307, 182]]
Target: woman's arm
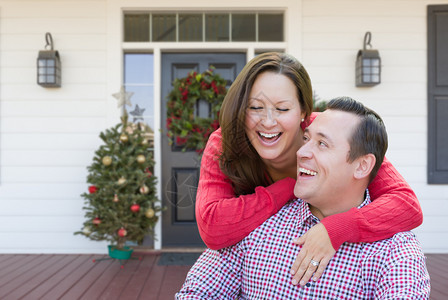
[[395, 208], [222, 218]]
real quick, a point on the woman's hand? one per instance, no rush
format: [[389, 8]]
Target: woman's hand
[[316, 248]]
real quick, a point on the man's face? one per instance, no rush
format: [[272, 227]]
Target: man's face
[[323, 170]]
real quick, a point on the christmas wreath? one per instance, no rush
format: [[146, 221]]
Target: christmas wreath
[[185, 128]]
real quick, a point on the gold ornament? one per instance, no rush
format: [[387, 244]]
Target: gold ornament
[[107, 160], [124, 138], [144, 190], [144, 142], [116, 198], [121, 181], [86, 230], [150, 213], [130, 129], [141, 158]]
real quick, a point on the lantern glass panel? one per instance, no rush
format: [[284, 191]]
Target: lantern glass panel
[[366, 62]]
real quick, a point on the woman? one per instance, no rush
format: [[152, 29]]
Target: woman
[[248, 170]]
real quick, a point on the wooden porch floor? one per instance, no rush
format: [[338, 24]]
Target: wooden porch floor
[[77, 277]]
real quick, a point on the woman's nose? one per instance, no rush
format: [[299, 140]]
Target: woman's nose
[[269, 117]]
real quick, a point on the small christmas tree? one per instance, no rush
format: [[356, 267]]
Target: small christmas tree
[[121, 203]]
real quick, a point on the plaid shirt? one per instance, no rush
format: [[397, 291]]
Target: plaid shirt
[[258, 266]]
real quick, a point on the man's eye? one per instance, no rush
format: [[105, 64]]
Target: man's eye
[[322, 144]]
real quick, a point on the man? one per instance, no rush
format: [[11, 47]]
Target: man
[[344, 148]]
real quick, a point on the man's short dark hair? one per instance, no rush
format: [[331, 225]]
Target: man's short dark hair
[[369, 136]]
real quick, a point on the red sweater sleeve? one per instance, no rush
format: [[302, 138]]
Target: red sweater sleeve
[[224, 219], [394, 208]]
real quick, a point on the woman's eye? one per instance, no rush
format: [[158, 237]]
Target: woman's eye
[[283, 109], [322, 144], [305, 138], [255, 107]]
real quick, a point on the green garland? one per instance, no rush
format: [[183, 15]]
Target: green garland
[[184, 128]]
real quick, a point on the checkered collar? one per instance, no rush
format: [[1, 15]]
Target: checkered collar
[[304, 214]]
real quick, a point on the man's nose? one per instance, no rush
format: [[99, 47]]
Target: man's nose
[[305, 151]]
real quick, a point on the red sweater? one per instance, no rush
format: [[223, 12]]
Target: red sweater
[[224, 219]]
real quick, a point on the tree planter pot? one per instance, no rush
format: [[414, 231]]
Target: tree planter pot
[[124, 253]]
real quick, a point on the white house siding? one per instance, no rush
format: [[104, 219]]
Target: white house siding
[[48, 136], [332, 33]]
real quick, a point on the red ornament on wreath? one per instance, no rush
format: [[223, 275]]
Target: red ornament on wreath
[[135, 208], [186, 129], [96, 221]]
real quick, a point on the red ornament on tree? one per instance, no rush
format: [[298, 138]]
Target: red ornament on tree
[[148, 171], [96, 221], [122, 232], [92, 189], [135, 208]]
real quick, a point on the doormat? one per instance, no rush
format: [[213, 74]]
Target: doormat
[[178, 258]]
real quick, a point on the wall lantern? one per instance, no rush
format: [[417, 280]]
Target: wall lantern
[[49, 65], [368, 65]]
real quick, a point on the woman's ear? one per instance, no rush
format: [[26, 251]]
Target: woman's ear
[[364, 166]]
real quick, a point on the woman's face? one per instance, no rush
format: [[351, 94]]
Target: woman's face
[[273, 118]]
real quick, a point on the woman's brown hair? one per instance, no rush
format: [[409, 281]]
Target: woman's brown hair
[[239, 160]]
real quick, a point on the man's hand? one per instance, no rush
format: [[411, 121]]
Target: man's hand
[[316, 248]]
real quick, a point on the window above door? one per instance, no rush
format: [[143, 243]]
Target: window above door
[[203, 27]]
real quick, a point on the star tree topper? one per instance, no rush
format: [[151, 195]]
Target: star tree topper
[[123, 97]]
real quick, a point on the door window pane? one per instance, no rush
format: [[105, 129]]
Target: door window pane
[[190, 27], [163, 27], [217, 27], [136, 28], [243, 27], [270, 27]]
